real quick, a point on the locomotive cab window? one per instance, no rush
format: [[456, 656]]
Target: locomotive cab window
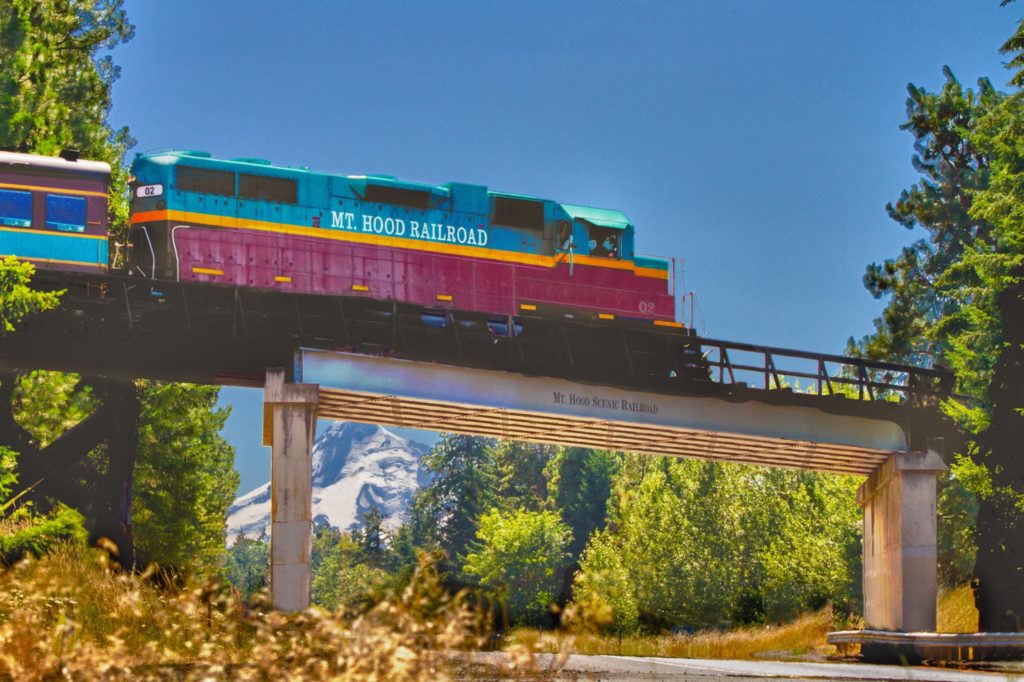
[[522, 213], [65, 213], [604, 241], [15, 208], [266, 188]]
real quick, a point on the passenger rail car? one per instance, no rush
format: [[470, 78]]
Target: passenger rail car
[[53, 211], [246, 222]]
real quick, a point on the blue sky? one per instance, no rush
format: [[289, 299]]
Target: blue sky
[[757, 141]]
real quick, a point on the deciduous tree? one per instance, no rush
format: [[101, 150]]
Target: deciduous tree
[[704, 544], [519, 554], [17, 298], [343, 580]]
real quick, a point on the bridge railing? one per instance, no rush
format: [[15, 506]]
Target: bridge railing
[[769, 368]]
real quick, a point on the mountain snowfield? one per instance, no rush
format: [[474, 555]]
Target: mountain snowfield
[[355, 466]]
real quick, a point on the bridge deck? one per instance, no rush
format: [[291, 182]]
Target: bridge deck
[[118, 326], [543, 409]]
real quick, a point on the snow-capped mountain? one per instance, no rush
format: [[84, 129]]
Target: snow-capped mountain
[[355, 466]]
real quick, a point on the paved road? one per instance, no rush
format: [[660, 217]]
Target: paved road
[[632, 668]]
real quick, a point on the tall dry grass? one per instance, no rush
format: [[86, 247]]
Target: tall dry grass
[[956, 611], [73, 615], [803, 638]]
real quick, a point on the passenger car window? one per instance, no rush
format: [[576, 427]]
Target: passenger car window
[[15, 208], [65, 213]]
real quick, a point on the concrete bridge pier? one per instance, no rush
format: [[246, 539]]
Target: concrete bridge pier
[[900, 585], [289, 426]]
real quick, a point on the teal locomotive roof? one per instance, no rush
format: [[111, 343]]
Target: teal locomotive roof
[[603, 217]]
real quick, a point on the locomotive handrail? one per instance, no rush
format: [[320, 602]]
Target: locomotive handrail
[[873, 379]]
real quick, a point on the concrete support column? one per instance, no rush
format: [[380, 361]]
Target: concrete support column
[[289, 424], [900, 555]]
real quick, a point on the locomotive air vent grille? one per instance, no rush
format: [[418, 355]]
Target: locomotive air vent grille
[[281, 190], [519, 213], [399, 196], [205, 180]]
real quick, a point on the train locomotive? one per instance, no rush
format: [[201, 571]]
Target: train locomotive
[[248, 223]]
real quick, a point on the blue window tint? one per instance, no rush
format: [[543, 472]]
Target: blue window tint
[[15, 208], [65, 213]]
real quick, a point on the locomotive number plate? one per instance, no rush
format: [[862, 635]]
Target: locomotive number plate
[[143, 191]]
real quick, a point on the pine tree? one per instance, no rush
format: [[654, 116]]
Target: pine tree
[[248, 564], [579, 487], [461, 492], [951, 168], [184, 477], [371, 537], [950, 304], [522, 474], [987, 351]]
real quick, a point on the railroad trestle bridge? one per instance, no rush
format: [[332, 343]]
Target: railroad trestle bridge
[[637, 387]]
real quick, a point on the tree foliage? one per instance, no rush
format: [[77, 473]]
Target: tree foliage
[[604, 585], [702, 544], [184, 476], [521, 474], [17, 298], [953, 302], [988, 351], [8, 472], [1014, 46], [370, 537], [951, 167], [461, 491], [579, 486], [343, 576], [248, 564], [37, 535], [47, 403], [519, 554]]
